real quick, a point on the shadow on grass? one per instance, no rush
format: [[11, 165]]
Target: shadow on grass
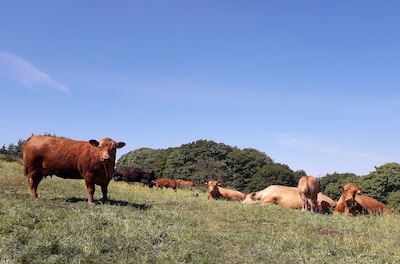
[[111, 202]]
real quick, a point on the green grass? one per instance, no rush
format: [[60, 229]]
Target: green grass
[[141, 225]]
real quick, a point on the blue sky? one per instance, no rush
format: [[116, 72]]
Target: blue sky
[[313, 84]]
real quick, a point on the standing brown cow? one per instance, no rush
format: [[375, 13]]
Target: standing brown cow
[[215, 191], [70, 159], [309, 187], [352, 204], [165, 182]]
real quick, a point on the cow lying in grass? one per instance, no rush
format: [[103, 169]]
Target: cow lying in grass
[[185, 183], [215, 191], [288, 197], [352, 204]]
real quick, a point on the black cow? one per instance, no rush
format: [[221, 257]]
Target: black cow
[[129, 175]]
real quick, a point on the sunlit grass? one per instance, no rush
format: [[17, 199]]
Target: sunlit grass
[[142, 225]]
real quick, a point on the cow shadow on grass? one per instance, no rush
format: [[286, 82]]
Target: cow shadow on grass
[[74, 200]]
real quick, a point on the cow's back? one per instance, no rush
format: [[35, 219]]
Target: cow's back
[[371, 205], [57, 154], [280, 195], [231, 195]]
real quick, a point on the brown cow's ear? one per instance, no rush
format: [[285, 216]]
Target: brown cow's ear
[[94, 142], [341, 188], [206, 182], [219, 183], [360, 190], [120, 144]]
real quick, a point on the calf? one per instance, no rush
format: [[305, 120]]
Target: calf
[[215, 191]]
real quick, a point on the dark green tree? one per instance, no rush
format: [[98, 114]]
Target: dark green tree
[[271, 174], [381, 182], [244, 164], [3, 150]]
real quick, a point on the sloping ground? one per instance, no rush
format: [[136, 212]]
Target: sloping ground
[[142, 225]]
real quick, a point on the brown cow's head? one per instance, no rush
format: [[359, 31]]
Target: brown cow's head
[[349, 192], [212, 185], [107, 148]]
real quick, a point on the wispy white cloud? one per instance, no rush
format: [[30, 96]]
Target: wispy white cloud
[[315, 144], [26, 73]]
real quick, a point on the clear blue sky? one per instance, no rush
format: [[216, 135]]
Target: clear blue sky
[[313, 84]]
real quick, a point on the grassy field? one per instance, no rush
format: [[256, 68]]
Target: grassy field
[[141, 225]]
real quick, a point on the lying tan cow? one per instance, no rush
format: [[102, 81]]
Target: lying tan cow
[[309, 187], [185, 183], [288, 197], [165, 182], [352, 204], [215, 191]]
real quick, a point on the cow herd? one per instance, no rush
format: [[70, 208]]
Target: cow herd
[[94, 161]]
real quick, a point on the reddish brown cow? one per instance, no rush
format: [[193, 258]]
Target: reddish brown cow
[[185, 183], [215, 191], [288, 197], [70, 159], [309, 187], [165, 182], [352, 204]]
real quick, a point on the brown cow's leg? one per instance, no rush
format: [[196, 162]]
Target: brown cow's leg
[[90, 189], [33, 181], [104, 190], [305, 202], [314, 205]]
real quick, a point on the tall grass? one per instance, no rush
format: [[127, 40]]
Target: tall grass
[[142, 225]]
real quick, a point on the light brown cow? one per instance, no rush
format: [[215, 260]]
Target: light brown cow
[[185, 183], [352, 204], [215, 191], [288, 197], [309, 187], [70, 159], [165, 182]]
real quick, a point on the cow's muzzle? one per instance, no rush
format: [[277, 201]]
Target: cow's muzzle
[[105, 158]]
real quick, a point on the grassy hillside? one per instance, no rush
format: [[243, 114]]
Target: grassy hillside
[[149, 226]]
